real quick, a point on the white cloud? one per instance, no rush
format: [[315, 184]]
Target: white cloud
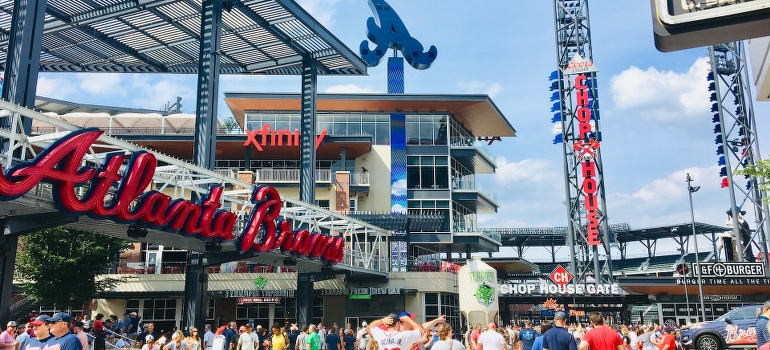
[[347, 88], [527, 170], [102, 83], [57, 88], [322, 10], [663, 95], [480, 87]]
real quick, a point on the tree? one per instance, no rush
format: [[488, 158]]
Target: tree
[[230, 125], [759, 170], [59, 266]]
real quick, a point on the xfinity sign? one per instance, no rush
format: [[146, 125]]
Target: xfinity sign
[[684, 24]]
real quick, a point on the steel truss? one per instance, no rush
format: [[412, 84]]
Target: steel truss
[[573, 36], [180, 179], [738, 142]]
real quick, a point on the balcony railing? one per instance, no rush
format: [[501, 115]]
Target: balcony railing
[[289, 175], [471, 185], [143, 130], [359, 179], [471, 142]]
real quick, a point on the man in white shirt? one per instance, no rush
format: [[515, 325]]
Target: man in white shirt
[[393, 339], [361, 336], [491, 340], [246, 340], [208, 337]]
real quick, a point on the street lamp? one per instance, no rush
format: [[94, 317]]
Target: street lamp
[[690, 190]]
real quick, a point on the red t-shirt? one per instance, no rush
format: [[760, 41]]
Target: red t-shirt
[[669, 340], [603, 338]]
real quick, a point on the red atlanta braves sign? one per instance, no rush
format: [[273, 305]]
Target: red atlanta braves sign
[[585, 149], [59, 165]]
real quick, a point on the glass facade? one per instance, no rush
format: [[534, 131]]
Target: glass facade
[[437, 304], [375, 125], [427, 172], [426, 130]]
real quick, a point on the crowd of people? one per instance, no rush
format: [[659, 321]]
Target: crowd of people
[[392, 332]]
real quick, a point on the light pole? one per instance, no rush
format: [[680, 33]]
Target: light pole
[[690, 191], [684, 278]]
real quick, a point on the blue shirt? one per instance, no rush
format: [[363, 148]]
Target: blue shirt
[[763, 336], [68, 341], [332, 340], [527, 336], [229, 333], [558, 338], [538, 343], [38, 344]]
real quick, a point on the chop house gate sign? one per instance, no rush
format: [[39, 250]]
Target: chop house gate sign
[[60, 165]]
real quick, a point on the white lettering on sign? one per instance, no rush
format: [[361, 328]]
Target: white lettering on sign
[[544, 288]]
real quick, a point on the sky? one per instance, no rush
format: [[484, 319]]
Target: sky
[[655, 108]]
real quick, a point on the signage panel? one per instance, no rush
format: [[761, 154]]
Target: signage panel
[[672, 13], [721, 281], [259, 300], [684, 24], [732, 269], [721, 298]]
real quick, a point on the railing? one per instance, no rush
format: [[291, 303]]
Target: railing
[[289, 175], [359, 179], [115, 130], [471, 185], [471, 142]]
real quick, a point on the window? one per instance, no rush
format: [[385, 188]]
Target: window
[[210, 310], [260, 313], [159, 310], [427, 172], [376, 125], [437, 304]]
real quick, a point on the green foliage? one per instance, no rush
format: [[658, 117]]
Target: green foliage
[[59, 266], [759, 170], [230, 125]]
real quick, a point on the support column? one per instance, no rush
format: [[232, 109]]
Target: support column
[[304, 298], [20, 84], [204, 151], [307, 134]]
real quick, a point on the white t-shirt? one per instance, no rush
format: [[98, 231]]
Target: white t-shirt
[[246, 341], [387, 340], [448, 345], [491, 340]]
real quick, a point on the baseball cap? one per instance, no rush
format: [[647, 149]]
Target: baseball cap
[[363, 324], [11, 324], [79, 324], [559, 316], [492, 325], [149, 337], [61, 316], [133, 314], [41, 320], [259, 326], [669, 329]]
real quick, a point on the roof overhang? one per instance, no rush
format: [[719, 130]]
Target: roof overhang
[[267, 37], [476, 112]]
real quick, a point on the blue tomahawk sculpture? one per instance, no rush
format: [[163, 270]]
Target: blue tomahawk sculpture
[[391, 33]]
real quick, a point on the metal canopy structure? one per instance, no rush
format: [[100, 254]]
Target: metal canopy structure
[[267, 37], [622, 233]]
